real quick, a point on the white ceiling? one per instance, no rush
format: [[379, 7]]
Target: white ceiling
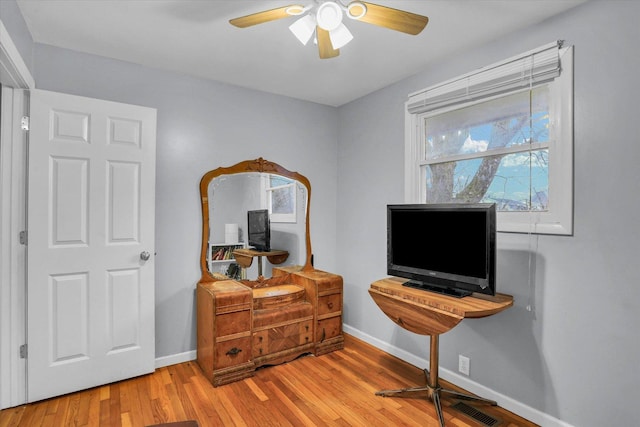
[[195, 37]]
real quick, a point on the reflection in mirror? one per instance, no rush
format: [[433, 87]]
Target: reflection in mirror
[[281, 198], [229, 193], [232, 196]]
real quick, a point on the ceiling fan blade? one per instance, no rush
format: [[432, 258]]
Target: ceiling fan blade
[[265, 16], [394, 19], [325, 48]]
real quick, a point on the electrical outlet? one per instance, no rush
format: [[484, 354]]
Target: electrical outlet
[[463, 364]]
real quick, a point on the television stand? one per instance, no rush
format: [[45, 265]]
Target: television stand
[[244, 257], [457, 293], [432, 314]]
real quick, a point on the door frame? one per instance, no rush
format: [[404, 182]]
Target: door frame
[[15, 76]]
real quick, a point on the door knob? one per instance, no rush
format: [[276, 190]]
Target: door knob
[[145, 255]]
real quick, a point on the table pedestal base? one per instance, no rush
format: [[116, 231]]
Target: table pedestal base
[[432, 388]]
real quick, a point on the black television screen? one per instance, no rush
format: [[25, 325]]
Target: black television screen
[[259, 229], [447, 248]]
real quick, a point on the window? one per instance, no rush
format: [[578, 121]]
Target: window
[[280, 198], [502, 134]]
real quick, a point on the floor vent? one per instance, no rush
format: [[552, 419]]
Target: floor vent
[[477, 415]]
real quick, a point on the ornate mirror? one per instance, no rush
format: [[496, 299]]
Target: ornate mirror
[[228, 194]]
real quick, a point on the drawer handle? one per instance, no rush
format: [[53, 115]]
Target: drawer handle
[[330, 305], [233, 351]]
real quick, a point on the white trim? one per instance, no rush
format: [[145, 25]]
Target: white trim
[[412, 179], [525, 411], [12, 66], [493, 151], [174, 359], [5, 257], [13, 73], [13, 157]]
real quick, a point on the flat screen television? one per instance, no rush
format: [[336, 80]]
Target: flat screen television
[[446, 248], [259, 229]]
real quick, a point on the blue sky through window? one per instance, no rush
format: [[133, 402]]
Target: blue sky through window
[[521, 181]]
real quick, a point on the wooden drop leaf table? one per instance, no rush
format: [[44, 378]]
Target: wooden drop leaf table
[[429, 313]]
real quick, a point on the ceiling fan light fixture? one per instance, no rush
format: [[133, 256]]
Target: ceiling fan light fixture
[[304, 28], [329, 16], [356, 10], [324, 19], [296, 10], [340, 36]]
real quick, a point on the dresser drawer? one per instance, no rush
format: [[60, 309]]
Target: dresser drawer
[[329, 328], [260, 343], [233, 323], [306, 332], [329, 304], [282, 337], [232, 352]]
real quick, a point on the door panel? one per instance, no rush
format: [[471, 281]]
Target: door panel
[[124, 309], [68, 323], [123, 202], [69, 182], [69, 127], [91, 214]]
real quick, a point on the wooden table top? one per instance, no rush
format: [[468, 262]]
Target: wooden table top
[[254, 252], [430, 313], [244, 257]]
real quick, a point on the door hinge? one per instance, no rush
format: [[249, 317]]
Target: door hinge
[[23, 237], [23, 351], [24, 123]]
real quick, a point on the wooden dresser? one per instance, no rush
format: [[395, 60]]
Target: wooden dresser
[[244, 325]]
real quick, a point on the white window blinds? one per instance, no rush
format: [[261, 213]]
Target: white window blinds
[[527, 69]]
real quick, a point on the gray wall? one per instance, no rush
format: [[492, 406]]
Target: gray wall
[[203, 125], [16, 26], [575, 356]]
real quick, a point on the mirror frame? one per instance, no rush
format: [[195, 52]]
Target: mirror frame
[[259, 165]]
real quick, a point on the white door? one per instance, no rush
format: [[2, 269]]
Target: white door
[[90, 290]]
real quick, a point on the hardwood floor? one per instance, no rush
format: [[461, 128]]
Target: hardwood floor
[[336, 389]]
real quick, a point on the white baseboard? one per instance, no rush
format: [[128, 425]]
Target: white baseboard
[[505, 402], [174, 359]]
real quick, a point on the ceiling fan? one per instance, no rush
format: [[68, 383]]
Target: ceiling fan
[[324, 20]]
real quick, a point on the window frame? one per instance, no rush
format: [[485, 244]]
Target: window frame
[[267, 199], [558, 219]]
